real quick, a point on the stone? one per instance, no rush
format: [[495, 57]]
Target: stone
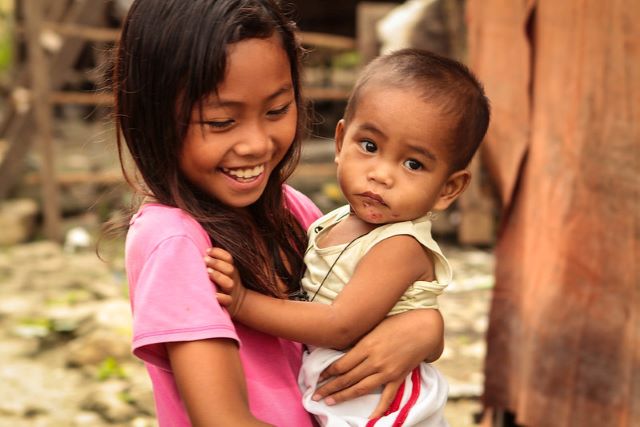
[[17, 220], [110, 400], [94, 348]]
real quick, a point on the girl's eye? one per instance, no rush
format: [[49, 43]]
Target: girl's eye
[[368, 146], [412, 164], [279, 111], [219, 124]]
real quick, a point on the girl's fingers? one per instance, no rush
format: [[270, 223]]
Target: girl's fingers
[[346, 363], [360, 388], [342, 381]]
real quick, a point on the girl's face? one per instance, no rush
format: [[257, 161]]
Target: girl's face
[[392, 158], [246, 129]]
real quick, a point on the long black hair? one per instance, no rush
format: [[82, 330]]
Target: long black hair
[[172, 54]]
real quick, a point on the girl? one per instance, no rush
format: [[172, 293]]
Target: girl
[[411, 126], [208, 103]]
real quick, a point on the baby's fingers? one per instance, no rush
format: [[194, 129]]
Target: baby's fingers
[[220, 254], [224, 299], [217, 264], [222, 281]]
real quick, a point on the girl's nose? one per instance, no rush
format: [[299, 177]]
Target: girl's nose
[[255, 142]]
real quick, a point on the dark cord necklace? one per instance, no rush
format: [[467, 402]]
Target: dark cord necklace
[[334, 263], [301, 294]]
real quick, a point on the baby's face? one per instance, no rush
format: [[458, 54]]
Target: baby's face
[[391, 156]]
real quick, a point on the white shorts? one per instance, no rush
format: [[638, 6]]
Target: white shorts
[[419, 402]]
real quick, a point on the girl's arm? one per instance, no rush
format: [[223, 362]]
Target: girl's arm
[[384, 357], [379, 280], [213, 396]]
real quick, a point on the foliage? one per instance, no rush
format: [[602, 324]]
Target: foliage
[[110, 368], [6, 39]]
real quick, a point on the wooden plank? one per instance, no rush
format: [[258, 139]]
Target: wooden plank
[[73, 178], [330, 41], [84, 32], [326, 93], [82, 98], [42, 115], [321, 171]]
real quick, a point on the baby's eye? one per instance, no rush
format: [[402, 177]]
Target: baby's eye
[[219, 124], [412, 164], [279, 111], [368, 146]]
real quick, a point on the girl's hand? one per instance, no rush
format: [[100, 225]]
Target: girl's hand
[[384, 357], [226, 277]]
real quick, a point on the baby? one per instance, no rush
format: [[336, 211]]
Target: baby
[[411, 126]]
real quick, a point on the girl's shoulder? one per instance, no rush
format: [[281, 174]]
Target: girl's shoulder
[[300, 206], [155, 223]]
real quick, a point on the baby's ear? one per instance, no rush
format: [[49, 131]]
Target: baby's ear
[[339, 138], [454, 187]]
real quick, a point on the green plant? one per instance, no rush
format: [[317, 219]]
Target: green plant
[[110, 368]]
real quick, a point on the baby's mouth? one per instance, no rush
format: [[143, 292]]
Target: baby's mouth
[[244, 174], [376, 198]]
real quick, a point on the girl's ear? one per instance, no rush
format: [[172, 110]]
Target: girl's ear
[[455, 185], [339, 138]]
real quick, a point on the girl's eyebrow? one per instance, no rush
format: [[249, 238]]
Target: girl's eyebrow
[[216, 102]]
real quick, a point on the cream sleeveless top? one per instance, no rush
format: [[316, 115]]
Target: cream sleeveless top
[[329, 269]]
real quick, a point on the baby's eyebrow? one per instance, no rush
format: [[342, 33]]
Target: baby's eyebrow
[[366, 126], [423, 151]]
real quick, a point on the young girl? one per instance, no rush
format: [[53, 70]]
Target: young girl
[[208, 102], [411, 126]]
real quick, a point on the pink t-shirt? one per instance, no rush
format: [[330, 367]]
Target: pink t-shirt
[[172, 300]]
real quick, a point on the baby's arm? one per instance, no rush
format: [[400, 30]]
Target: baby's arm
[[381, 277]]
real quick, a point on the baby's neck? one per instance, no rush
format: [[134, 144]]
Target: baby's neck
[[345, 231]]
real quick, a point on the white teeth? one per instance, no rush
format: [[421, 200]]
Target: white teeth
[[247, 173]]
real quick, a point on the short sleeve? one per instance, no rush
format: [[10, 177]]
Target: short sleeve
[[301, 207], [174, 300]]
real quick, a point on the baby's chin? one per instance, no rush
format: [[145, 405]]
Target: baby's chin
[[372, 215]]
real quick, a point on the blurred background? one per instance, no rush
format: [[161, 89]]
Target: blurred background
[[64, 313]]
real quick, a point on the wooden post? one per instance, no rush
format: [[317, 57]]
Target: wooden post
[[367, 16], [38, 70], [19, 132], [477, 211]]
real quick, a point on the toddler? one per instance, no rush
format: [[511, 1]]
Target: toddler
[[411, 126]]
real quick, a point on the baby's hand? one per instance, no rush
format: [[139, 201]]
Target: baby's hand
[[226, 277]]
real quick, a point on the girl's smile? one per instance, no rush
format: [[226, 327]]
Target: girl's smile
[[244, 174]]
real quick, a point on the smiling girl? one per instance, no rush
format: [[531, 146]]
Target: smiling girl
[[208, 102]]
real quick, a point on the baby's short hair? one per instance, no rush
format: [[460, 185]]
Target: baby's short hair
[[439, 80]]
